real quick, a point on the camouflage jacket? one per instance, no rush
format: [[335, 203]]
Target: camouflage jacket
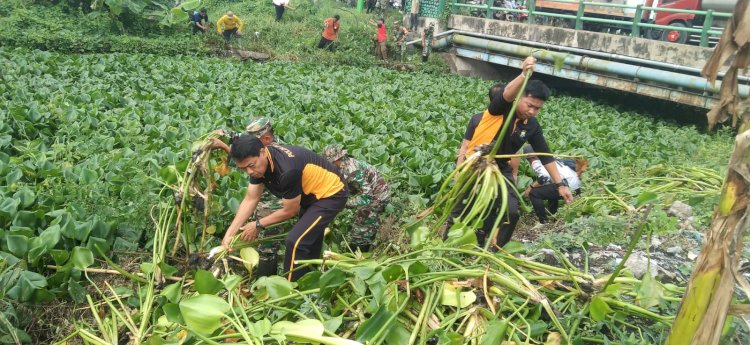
[[366, 185], [399, 36]]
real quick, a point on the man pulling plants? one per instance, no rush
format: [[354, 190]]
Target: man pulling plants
[[230, 25], [399, 39], [308, 185], [261, 128], [199, 21], [541, 190], [369, 196], [484, 128], [330, 32]]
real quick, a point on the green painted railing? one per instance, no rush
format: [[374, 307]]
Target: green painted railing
[[635, 25]]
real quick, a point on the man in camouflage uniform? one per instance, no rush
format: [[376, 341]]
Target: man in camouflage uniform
[[382, 5], [399, 39], [368, 194], [262, 129], [427, 41]]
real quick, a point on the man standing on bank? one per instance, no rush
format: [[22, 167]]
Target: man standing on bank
[[280, 6], [484, 128], [427, 35], [399, 39], [380, 39], [308, 185]]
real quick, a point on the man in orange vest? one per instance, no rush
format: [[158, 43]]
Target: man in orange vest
[[330, 32], [309, 186], [484, 130]]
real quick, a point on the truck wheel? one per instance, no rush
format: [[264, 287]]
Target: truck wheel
[[654, 34], [675, 36]]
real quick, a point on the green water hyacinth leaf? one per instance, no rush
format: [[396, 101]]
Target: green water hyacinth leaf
[[374, 324], [598, 309], [274, 286], [25, 196], [461, 235], [250, 257], [76, 291], [18, 245], [42, 244], [26, 286], [649, 292], [646, 198], [452, 296], [330, 280], [495, 332], [203, 313], [206, 283], [8, 207], [82, 258], [306, 331], [88, 176], [173, 292]]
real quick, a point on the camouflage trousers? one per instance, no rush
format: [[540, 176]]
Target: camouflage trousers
[[401, 50], [366, 225]]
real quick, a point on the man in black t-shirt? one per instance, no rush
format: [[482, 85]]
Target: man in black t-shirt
[[484, 128], [308, 185], [199, 21]]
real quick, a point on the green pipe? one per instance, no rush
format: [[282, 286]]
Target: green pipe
[[360, 5], [589, 64]]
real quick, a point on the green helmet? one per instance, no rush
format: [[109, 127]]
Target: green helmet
[[258, 126], [334, 152]]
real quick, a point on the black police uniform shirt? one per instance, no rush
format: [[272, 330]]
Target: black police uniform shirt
[[293, 171], [484, 128]]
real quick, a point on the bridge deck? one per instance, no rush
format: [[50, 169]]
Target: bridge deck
[[669, 56]]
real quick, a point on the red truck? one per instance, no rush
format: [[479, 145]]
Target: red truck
[[656, 17]]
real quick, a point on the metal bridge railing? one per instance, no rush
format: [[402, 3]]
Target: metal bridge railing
[[635, 25]]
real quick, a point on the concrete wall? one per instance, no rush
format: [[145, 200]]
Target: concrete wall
[[679, 54]]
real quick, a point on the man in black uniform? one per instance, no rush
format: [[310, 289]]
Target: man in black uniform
[[484, 129], [308, 185]]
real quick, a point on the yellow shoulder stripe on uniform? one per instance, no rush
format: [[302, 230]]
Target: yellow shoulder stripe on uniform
[[320, 182], [270, 159], [485, 130]]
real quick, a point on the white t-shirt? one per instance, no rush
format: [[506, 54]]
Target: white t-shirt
[[566, 173], [280, 2]]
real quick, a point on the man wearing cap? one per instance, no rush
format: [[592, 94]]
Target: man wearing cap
[[369, 196], [330, 32], [260, 127], [483, 130], [230, 25], [399, 39], [542, 190], [427, 41], [308, 185]]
